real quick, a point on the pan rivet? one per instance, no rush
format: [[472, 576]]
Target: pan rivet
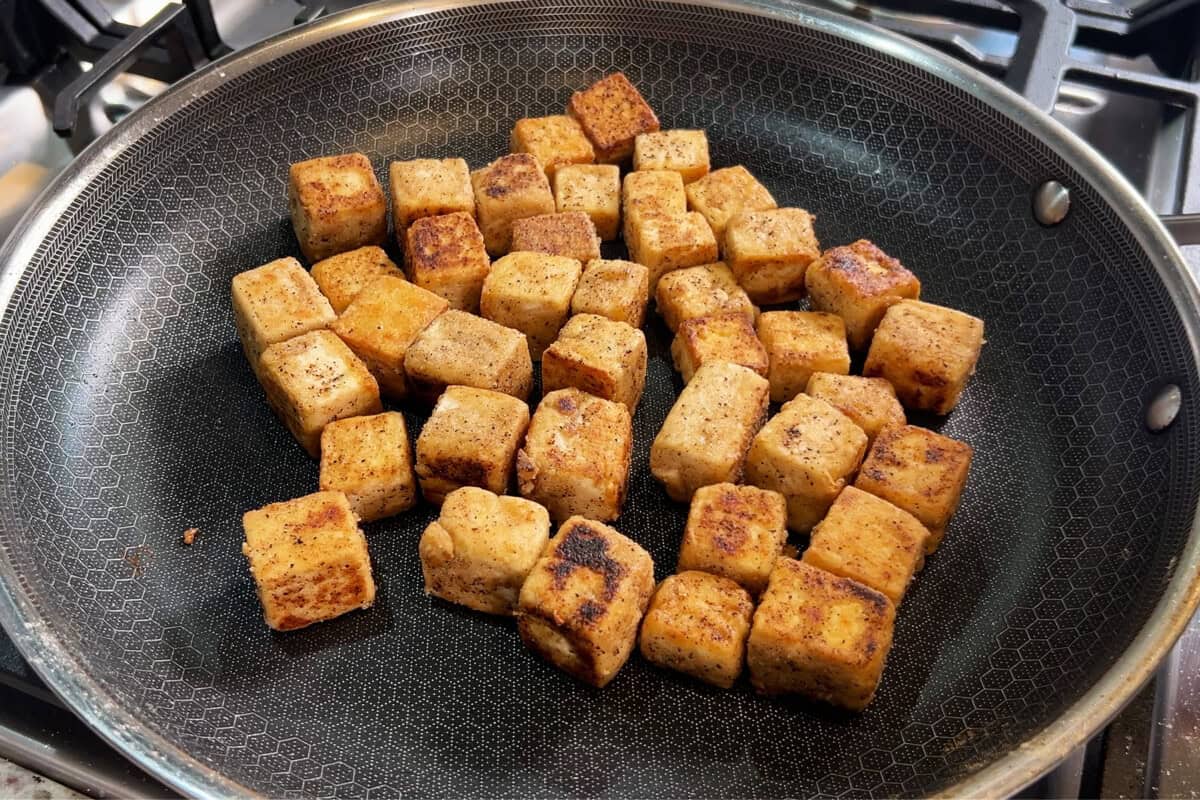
[[1164, 408], [1051, 202]]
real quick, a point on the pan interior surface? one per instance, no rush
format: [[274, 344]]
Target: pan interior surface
[[129, 415]]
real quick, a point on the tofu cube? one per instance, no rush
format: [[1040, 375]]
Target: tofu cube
[[446, 255], [555, 141], [926, 352], [341, 277], [576, 455], [685, 294], [807, 452], [869, 540], [662, 243], [481, 548], [697, 623], [725, 336], [569, 234], [650, 193], [594, 189], [309, 560], [919, 471], [429, 187], [336, 205], [707, 432], [820, 636], [462, 349], [859, 282], [383, 322], [724, 193], [736, 532], [368, 459], [685, 152], [599, 356], [799, 343], [612, 112], [314, 379], [470, 439], [769, 252], [870, 402], [275, 302], [510, 188], [615, 289], [531, 293], [581, 605]]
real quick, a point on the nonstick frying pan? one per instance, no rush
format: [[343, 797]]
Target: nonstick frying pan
[[129, 415]]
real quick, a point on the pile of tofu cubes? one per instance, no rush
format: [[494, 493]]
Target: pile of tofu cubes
[[502, 269]]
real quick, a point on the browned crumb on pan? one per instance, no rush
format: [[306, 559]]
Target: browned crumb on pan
[[790, 551], [189, 536]]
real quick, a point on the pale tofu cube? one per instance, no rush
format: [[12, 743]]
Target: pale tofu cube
[[314, 379], [510, 188], [725, 336], [769, 252], [429, 187], [470, 439], [555, 141], [685, 294], [859, 282], [799, 343], [275, 302], [615, 289], [570, 234], [707, 432], [736, 532], [382, 323], [594, 189], [819, 635], [368, 459], [926, 352], [309, 560], [341, 277], [597, 356], [724, 193], [662, 243], [481, 548], [612, 112], [581, 605], [651, 193], [919, 471], [807, 452], [461, 349], [682, 151], [576, 455], [336, 205], [446, 255], [870, 402], [697, 624], [531, 293]]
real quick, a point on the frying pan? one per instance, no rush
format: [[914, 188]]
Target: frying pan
[[129, 415]]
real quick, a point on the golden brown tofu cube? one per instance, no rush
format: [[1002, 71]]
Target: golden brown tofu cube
[[919, 471], [446, 255], [736, 532], [926, 352], [697, 623], [368, 459], [615, 289], [869, 540], [726, 336], [859, 282], [343, 276], [531, 293], [707, 432], [510, 188], [612, 112], [799, 343], [576, 455], [870, 402], [685, 152], [685, 294], [309, 560], [820, 636], [275, 302], [769, 252], [807, 452], [470, 439], [480, 549], [594, 189], [314, 379], [383, 322], [662, 243], [429, 187], [724, 193], [569, 234], [336, 204], [462, 349], [598, 356], [556, 141], [580, 606], [650, 193]]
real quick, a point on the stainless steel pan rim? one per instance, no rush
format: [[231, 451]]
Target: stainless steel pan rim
[[175, 767]]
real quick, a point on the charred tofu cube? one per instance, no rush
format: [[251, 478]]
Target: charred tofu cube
[[615, 289], [461, 349], [870, 402], [652, 193], [662, 243], [598, 356], [531, 293], [819, 635], [919, 471], [470, 439], [383, 322], [726, 336], [707, 432], [343, 276], [612, 112], [807, 452], [724, 193], [309, 560], [429, 187], [555, 141], [336, 204], [368, 459], [736, 532], [446, 255], [926, 352], [685, 152], [314, 379], [481, 548], [859, 282], [576, 455], [581, 605], [799, 343], [569, 234], [275, 302], [685, 294], [769, 252], [697, 623], [594, 189], [510, 188]]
